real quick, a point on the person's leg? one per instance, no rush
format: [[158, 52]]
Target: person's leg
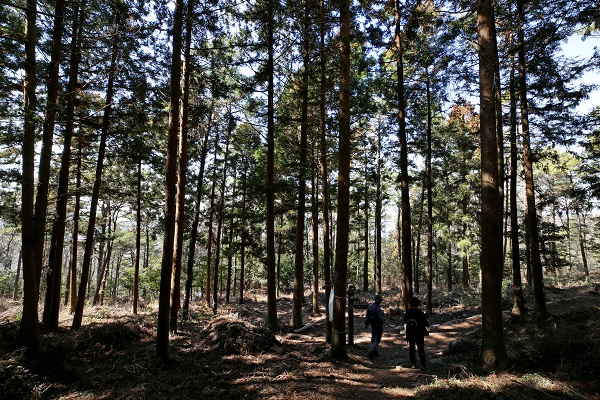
[[421, 346], [411, 353], [376, 334]]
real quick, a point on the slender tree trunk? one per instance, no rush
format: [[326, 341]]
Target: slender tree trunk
[[138, 239], [162, 334], [194, 234], [580, 229], [338, 345], [17, 277], [536, 260], [75, 234], [216, 275], [493, 352], [230, 241], [53, 286], [366, 245], [407, 279], [519, 306], [29, 333], [89, 242], [449, 268], [210, 239], [272, 322], [244, 234], [181, 173], [324, 171], [43, 178], [417, 247], [378, 206], [298, 294], [429, 306], [315, 230]]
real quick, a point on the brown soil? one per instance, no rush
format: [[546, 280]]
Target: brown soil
[[232, 356]]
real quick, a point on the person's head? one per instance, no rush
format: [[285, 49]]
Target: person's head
[[414, 302], [378, 299]]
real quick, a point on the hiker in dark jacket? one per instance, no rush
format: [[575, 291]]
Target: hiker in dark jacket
[[416, 330], [374, 317]]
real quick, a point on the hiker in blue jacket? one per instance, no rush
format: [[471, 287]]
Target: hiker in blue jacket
[[374, 317], [416, 330]]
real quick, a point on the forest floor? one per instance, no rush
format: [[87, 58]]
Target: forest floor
[[232, 355]]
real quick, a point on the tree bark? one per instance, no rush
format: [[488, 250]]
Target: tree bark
[[532, 219], [272, 322], [493, 352], [298, 294], [53, 278], [324, 171], [29, 333], [220, 216], [162, 334], [407, 279], [519, 306], [181, 173], [338, 345], [138, 239], [428, 306]]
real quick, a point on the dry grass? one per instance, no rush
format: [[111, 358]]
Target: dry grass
[[232, 356]]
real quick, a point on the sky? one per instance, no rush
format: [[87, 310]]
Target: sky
[[575, 47]]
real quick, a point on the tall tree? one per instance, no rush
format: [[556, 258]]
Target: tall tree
[[493, 352], [270, 217], [519, 306], [89, 241], [298, 295], [53, 286], [338, 344], [29, 328], [182, 161], [162, 333], [324, 168], [532, 219], [405, 211]]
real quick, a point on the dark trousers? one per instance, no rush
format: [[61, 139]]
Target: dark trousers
[[376, 334], [420, 343]]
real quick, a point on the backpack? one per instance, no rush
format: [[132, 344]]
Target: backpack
[[412, 326]]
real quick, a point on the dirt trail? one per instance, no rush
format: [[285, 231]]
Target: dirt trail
[[388, 376]]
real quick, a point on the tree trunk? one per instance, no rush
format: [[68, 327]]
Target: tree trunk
[[338, 345], [315, 230], [536, 260], [324, 170], [493, 352], [75, 234], [230, 240], [298, 295], [43, 178], [244, 233], [194, 235], [366, 245], [378, 206], [17, 277], [220, 216], [53, 286], [162, 334], [580, 227], [89, 241], [181, 174], [429, 306], [138, 239], [519, 306], [407, 279], [272, 322]]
